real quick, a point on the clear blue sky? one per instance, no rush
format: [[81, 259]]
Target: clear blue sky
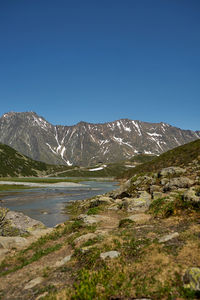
[[101, 60]]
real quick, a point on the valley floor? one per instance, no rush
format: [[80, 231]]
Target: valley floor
[[105, 252]]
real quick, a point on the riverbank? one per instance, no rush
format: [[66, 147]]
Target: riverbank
[[121, 245], [41, 184], [47, 204]]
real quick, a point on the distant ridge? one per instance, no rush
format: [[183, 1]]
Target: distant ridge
[[87, 143], [180, 156]]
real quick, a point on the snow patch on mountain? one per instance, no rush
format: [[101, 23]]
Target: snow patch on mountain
[[137, 127], [154, 134]]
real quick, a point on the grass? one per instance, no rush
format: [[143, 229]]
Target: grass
[[42, 247], [179, 156], [22, 261], [164, 207], [8, 187], [131, 275], [112, 170], [12, 163], [39, 180], [142, 158], [94, 211]]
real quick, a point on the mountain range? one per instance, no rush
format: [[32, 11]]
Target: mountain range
[[86, 143]]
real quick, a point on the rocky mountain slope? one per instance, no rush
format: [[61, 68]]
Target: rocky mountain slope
[[140, 241], [86, 143]]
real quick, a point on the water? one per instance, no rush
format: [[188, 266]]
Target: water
[[47, 204]]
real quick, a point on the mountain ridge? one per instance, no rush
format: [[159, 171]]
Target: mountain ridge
[[88, 143]]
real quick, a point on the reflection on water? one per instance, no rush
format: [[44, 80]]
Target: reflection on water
[[47, 204]]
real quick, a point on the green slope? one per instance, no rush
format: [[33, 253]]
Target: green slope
[[14, 164], [179, 156]]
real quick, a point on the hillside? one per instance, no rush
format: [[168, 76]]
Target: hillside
[[13, 164], [140, 241], [106, 170], [179, 156], [86, 144]]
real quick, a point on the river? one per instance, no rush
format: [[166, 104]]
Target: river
[[47, 204]]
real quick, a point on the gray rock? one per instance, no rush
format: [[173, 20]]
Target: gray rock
[[155, 188], [23, 222], [158, 195], [179, 182], [168, 237], [192, 279], [100, 200], [190, 195], [171, 171], [118, 193], [141, 203], [142, 180], [13, 242], [110, 254], [144, 195], [139, 218], [92, 219], [41, 232], [33, 283], [113, 207], [164, 181], [41, 296], [62, 262]]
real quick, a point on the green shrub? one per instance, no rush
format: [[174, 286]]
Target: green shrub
[[93, 211]]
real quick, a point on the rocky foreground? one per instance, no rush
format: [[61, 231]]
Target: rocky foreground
[[141, 241]]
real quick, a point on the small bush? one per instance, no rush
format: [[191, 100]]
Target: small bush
[[93, 211]]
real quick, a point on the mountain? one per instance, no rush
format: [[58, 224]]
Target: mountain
[[86, 143], [14, 164], [143, 242], [179, 157]]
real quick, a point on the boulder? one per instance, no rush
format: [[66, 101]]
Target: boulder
[[158, 195], [62, 262], [13, 242], [164, 181], [171, 171], [139, 218], [42, 296], [143, 180], [155, 188], [141, 203], [178, 182], [168, 237], [33, 283], [113, 207], [92, 219], [22, 222], [191, 279], [121, 192], [110, 254], [99, 201], [190, 195]]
